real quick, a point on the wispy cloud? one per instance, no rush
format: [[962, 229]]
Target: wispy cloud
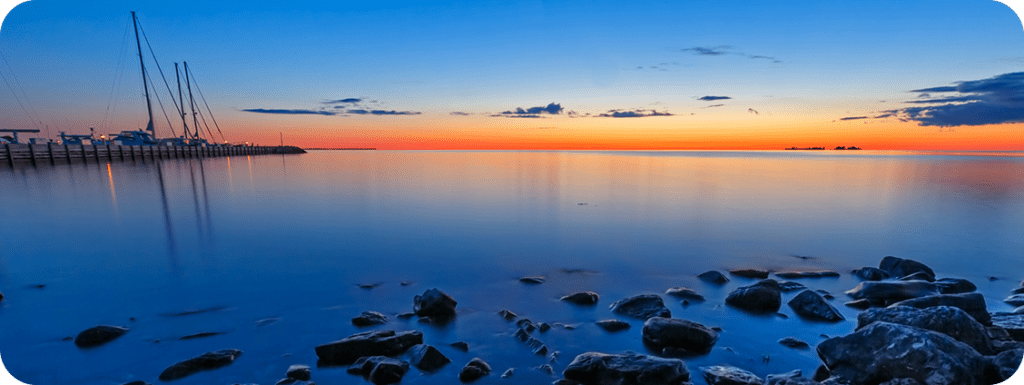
[[713, 98], [853, 118], [551, 108], [290, 112], [753, 111], [714, 105], [344, 101], [722, 50], [459, 113], [382, 112], [635, 113]]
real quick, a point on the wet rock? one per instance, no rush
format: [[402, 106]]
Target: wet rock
[[679, 333], [536, 346], [791, 378], [460, 345], [525, 323], [507, 315], [137, 383], [882, 351], [859, 304], [626, 369], [367, 344], [750, 273], [1013, 323], [821, 373], [546, 369], [532, 280], [405, 283], [612, 325], [761, 297], [298, 372], [947, 320], [811, 305], [1015, 300], [807, 274], [99, 335], [369, 318], [919, 276], [427, 357], [893, 291], [714, 277], [1, 297], [899, 267], [369, 286], [474, 370], [380, 369], [434, 303], [582, 298], [788, 286], [728, 375], [1019, 290], [871, 274], [794, 343], [290, 381], [972, 303], [685, 293], [642, 306], [543, 327], [406, 315], [207, 361], [901, 381], [825, 294], [955, 286], [1003, 365], [201, 335]]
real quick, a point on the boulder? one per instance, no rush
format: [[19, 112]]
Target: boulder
[[713, 277], [893, 291], [586, 298], [811, 305], [367, 344], [728, 375], [525, 323], [427, 357], [298, 372], [883, 351], [99, 335], [871, 274], [207, 361], [460, 345], [794, 343], [750, 273], [955, 286], [474, 370], [972, 303], [379, 369], [919, 276], [899, 267], [947, 320], [612, 325], [1003, 365], [788, 286], [642, 306], [508, 315], [761, 297], [369, 318], [676, 333], [626, 369], [1015, 300], [807, 274], [434, 303], [685, 293], [859, 304], [1013, 323]]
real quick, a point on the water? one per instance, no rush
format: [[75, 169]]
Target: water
[[288, 238]]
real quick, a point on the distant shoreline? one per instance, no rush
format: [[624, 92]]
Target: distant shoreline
[[341, 149]]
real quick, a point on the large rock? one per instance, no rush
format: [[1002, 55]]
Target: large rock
[[955, 286], [474, 370], [1004, 365], [612, 325], [807, 274], [750, 273], [679, 334], [947, 320], [582, 298], [919, 276], [379, 369], [728, 375], [298, 372], [714, 277], [626, 369], [427, 357], [207, 361], [435, 304], [883, 351], [899, 267], [369, 318], [685, 293], [761, 297], [367, 344], [1012, 322], [893, 291], [99, 335], [811, 305], [972, 303], [642, 306], [871, 274]]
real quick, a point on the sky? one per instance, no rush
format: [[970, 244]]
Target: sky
[[899, 75]]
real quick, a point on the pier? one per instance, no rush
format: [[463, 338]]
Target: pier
[[14, 154]]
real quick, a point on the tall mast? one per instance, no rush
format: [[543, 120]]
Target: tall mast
[[192, 103], [145, 87], [181, 101]]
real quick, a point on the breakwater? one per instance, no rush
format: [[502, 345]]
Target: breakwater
[[14, 154]]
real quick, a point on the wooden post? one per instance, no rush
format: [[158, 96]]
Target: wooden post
[[10, 159], [32, 154], [110, 156], [67, 153], [132, 149], [96, 152], [120, 150], [49, 148]]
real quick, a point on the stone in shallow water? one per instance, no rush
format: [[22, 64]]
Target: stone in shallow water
[[808, 274], [859, 304], [811, 305], [899, 267], [972, 303], [714, 277], [955, 286], [727, 375], [761, 297], [532, 280], [680, 334], [947, 320], [207, 361], [298, 372], [427, 357], [99, 335], [685, 293], [474, 370], [788, 286], [369, 318], [794, 342], [626, 369], [919, 276], [750, 273], [380, 369], [1015, 300], [1012, 322], [893, 291], [582, 298], [871, 274], [612, 325], [434, 303], [367, 344], [460, 345], [508, 315], [642, 306]]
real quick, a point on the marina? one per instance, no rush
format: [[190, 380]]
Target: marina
[[21, 154]]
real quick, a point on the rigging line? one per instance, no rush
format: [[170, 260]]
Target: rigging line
[[160, 69], [162, 108], [35, 115], [34, 123], [208, 108], [201, 116], [117, 77]]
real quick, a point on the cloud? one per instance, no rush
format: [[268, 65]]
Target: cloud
[[753, 111], [340, 101], [711, 98], [459, 113], [853, 117], [552, 108], [637, 113], [502, 115], [721, 50], [996, 100], [289, 112], [382, 112], [714, 105]]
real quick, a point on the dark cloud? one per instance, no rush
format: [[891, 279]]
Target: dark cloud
[[721, 50], [552, 108], [999, 99], [853, 117], [359, 112], [969, 98], [459, 113], [711, 98], [885, 115], [382, 112], [348, 100], [289, 112], [936, 89], [637, 113]]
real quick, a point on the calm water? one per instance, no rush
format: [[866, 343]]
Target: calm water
[[290, 237]]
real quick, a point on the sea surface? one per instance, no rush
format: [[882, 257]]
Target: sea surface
[[270, 250]]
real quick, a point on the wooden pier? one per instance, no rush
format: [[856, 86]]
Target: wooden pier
[[13, 154]]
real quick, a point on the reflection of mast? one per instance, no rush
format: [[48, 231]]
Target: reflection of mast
[[145, 86], [171, 248]]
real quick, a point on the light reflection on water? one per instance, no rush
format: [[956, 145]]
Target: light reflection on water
[[119, 240]]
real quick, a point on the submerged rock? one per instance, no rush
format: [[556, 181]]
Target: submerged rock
[[612, 325], [677, 333], [434, 303], [532, 280], [507, 315], [750, 273], [201, 335], [427, 358], [1015, 300], [728, 375], [859, 304], [788, 286], [642, 306], [626, 369], [367, 344], [712, 276], [1013, 323], [955, 286], [207, 361], [685, 293], [807, 274], [871, 274], [99, 335], [508, 373], [947, 320], [460, 345], [474, 370], [810, 304], [972, 303], [369, 318], [582, 298], [761, 297], [899, 267], [893, 291], [298, 372], [794, 343], [379, 369]]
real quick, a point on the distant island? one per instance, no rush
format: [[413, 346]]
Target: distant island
[[823, 148], [324, 148]]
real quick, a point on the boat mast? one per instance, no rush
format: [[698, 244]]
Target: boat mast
[[145, 86], [192, 103], [181, 101]]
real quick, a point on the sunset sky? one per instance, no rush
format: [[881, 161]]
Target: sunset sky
[[939, 75]]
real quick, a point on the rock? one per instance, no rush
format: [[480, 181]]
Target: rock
[[369, 318], [1013, 323], [612, 325], [859, 304], [626, 369], [508, 373], [679, 333], [474, 370], [811, 305], [536, 346], [893, 291], [1019, 290], [947, 320], [434, 303], [369, 286], [642, 306], [1, 297], [791, 378], [1015, 300], [750, 273], [761, 297], [367, 344], [972, 303], [727, 375], [460, 345], [298, 372], [919, 276], [794, 343], [582, 298], [546, 369], [562, 381], [871, 274], [99, 335], [290, 381], [427, 358], [807, 274], [137, 383], [882, 351], [507, 315], [406, 315], [788, 286], [543, 327], [714, 277], [1003, 365], [380, 369], [901, 381], [532, 280], [207, 361], [955, 286], [201, 335], [821, 374], [899, 267], [684, 293], [525, 323], [825, 294]]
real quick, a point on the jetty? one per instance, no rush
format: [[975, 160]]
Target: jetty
[[19, 154]]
